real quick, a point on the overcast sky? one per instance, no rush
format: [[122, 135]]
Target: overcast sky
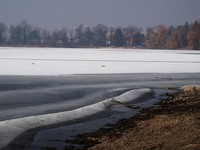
[[51, 14]]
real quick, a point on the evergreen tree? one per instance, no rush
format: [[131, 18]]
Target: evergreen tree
[[118, 38]]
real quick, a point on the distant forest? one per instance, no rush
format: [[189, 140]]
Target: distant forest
[[185, 36]]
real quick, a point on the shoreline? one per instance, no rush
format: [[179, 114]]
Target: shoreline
[[173, 123], [108, 133], [176, 80]]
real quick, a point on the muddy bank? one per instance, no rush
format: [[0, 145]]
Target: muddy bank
[[173, 123]]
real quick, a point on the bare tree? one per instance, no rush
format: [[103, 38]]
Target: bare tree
[[3, 30], [44, 37], [88, 36], [100, 32], [130, 34], [15, 35], [172, 40], [194, 36], [79, 34], [25, 30], [161, 37], [64, 36], [34, 37], [150, 40]]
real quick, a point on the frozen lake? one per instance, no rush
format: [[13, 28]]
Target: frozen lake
[[47, 86], [57, 61]]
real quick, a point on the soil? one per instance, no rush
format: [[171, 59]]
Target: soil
[[174, 123]]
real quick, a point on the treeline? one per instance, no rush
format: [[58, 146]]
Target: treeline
[[182, 37], [160, 37]]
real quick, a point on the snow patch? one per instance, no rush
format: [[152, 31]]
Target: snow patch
[[132, 95]]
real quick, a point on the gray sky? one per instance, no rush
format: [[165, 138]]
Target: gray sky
[[51, 14]]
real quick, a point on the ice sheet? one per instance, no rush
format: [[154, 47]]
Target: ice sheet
[[57, 61]]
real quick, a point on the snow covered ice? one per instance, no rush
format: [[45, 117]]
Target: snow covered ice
[[57, 61]]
